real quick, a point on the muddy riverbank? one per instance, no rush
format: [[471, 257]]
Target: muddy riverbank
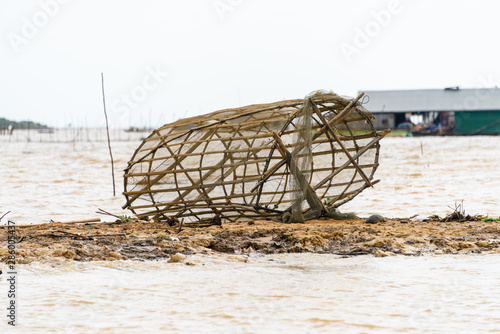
[[156, 241]]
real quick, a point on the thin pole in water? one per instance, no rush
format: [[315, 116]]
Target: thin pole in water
[[107, 132]]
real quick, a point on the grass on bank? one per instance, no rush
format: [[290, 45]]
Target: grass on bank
[[490, 219]]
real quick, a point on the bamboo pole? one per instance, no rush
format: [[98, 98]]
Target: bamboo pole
[[311, 196], [159, 177], [195, 154], [224, 120], [81, 221], [357, 155], [107, 132], [346, 152], [341, 115]]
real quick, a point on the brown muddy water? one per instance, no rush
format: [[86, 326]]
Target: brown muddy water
[[296, 293], [41, 181]]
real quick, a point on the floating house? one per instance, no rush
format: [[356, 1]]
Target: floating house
[[456, 110]]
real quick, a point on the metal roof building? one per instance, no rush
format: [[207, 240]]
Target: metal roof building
[[474, 111]]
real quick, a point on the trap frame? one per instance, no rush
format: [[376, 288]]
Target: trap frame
[[260, 161]]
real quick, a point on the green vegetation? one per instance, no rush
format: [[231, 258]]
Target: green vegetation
[[125, 219], [398, 133], [490, 219], [4, 123]]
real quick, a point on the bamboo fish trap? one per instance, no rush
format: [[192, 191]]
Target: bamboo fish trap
[[287, 160]]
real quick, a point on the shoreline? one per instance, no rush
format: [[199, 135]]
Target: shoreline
[[147, 241]]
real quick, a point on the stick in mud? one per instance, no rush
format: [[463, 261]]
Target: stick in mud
[[107, 132], [82, 221], [102, 212], [5, 214]]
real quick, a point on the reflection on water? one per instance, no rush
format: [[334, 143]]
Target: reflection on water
[[281, 293]]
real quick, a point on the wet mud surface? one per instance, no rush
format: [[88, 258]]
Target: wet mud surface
[[145, 241]]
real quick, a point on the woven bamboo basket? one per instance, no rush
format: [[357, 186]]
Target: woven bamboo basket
[[237, 164]]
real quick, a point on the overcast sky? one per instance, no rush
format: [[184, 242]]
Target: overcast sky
[[166, 59]]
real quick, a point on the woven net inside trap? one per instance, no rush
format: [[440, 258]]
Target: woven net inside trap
[[255, 162]]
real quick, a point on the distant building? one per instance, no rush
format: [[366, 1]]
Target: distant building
[[467, 111]]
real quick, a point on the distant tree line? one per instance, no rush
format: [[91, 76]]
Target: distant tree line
[[4, 124]]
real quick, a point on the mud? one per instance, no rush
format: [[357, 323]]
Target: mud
[[155, 241]]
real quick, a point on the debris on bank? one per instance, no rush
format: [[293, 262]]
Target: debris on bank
[[143, 240]]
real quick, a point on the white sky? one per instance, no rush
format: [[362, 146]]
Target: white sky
[[228, 53]]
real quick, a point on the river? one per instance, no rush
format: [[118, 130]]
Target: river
[[295, 293]]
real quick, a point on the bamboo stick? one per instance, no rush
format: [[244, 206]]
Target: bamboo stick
[[338, 118], [346, 152], [107, 132], [205, 185], [229, 138], [312, 198], [81, 221], [194, 169], [273, 170], [196, 154], [201, 126], [342, 115], [239, 180], [159, 177], [352, 195], [373, 142], [208, 189], [205, 176], [191, 202]]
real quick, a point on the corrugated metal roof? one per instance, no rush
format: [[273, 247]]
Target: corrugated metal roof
[[450, 99]]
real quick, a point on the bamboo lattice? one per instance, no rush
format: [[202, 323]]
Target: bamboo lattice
[[233, 163]]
